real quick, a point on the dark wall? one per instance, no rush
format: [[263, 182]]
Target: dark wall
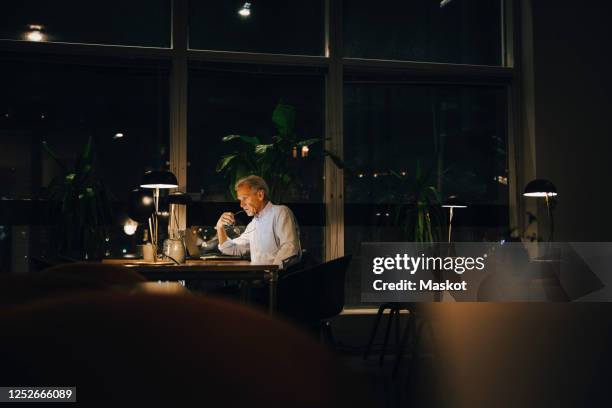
[[573, 110]]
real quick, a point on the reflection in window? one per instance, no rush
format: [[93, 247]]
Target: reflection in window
[[134, 22], [271, 26], [123, 110], [401, 139], [459, 31]]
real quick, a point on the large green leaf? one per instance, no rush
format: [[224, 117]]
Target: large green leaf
[[85, 159], [225, 161], [308, 142], [51, 154], [247, 139], [263, 148]]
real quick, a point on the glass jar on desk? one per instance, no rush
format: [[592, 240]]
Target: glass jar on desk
[[174, 247]]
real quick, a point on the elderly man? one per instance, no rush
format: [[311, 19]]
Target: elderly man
[[272, 237]]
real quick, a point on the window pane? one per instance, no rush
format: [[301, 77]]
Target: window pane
[[225, 103], [123, 109], [461, 31], [240, 100], [138, 22], [400, 139], [273, 26]]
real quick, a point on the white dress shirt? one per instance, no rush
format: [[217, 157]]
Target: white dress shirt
[[271, 237]]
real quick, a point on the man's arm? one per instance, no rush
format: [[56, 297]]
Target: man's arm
[[288, 235], [227, 218], [239, 246]]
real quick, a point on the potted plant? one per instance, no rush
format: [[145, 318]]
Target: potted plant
[[81, 204], [417, 206], [272, 161]]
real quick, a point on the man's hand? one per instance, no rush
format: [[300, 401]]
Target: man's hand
[[227, 218]]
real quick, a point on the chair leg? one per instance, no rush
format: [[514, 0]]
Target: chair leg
[[327, 336], [389, 324], [397, 328], [245, 289], [409, 333], [381, 309], [432, 337]]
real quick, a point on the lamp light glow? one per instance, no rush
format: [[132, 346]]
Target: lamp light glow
[[35, 33], [245, 11], [540, 194], [130, 227], [540, 188]]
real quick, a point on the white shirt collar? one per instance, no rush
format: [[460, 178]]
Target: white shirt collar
[[267, 208]]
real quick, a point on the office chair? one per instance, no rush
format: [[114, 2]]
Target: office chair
[[312, 296]]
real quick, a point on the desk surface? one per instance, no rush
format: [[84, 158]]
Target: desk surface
[[196, 269], [205, 270]]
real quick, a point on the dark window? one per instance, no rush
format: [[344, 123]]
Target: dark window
[[122, 108], [460, 31], [242, 102], [273, 26], [134, 22], [397, 134]]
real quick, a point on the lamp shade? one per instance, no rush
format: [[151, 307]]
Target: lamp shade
[[454, 202], [159, 179], [140, 204], [179, 198], [540, 188]]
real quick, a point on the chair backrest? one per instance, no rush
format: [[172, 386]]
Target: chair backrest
[[314, 293]]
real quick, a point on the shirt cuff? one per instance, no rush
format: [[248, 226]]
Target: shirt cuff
[[227, 244]]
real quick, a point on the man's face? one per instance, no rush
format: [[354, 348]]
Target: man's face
[[251, 201]]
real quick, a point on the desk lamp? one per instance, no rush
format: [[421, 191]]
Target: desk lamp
[[451, 204], [156, 179], [543, 188]]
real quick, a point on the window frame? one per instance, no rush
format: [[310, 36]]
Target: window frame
[[520, 120]]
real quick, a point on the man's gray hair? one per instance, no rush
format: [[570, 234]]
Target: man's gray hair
[[256, 183]]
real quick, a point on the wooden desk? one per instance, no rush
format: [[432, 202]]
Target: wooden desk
[[205, 270]]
